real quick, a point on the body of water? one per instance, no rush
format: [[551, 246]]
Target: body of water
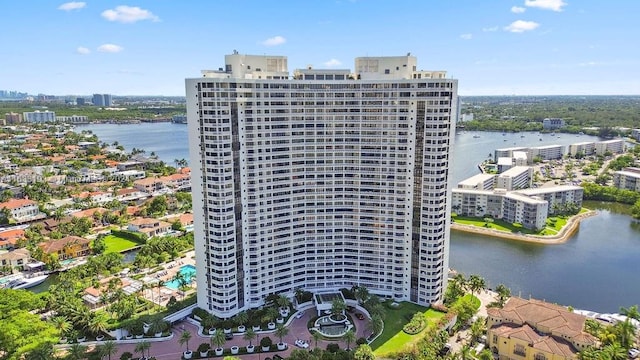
[[597, 269]]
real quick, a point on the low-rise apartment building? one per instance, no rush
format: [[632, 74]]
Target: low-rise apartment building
[[478, 182], [552, 123], [615, 146], [536, 330], [635, 133], [521, 209], [518, 177], [548, 152], [559, 198], [585, 148], [627, 179], [507, 152], [477, 203]]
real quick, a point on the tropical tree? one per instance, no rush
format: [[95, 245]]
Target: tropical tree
[[631, 312], [316, 337], [503, 294], [338, 306], [625, 332], [362, 294], [249, 335], [44, 351], [61, 324], [283, 301], [281, 331], [108, 348], [349, 337], [478, 328], [376, 324], [97, 323], [364, 352], [77, 352], [241, 318], [184, 339], [218, 339], [141, 347], [476, 283]]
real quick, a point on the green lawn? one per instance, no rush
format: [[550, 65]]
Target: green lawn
[[393, 338], [118, 244], [499, 225]]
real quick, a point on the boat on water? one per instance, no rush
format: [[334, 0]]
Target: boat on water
[[476, 136], [26, 283]]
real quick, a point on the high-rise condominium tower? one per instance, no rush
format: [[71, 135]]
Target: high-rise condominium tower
[[323, 180]]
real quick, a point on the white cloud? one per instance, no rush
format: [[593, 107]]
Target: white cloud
[[490, 29], [274, 41], [73, 5], [333, 63], [83, 50], [555, 5], [128, 14], [110, 48], [466, 36], [520, 26], [518, 9]]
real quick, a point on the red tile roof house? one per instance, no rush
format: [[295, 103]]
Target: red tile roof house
[[149, 227], [67, 248], [130, 194], [149, 185], [23, 210], [15, 259], [9, 238]]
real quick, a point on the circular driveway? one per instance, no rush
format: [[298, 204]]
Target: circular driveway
[[172, 350]]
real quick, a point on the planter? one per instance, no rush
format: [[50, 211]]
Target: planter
[[235, 350], [227, 330], [280, 320], [99, 337], [204, 354], [212, 331], [187, 354], [146, 327], [219, 351], [139, 336], [282, 346], [250, 348], [128, 337], [158, 334], [242, 329], [266, 348], [63, 341], [256, 328], [271, 325], [81, 339]]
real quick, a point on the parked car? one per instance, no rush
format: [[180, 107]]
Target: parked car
[[360, 316], [302, 344], [299, 315]]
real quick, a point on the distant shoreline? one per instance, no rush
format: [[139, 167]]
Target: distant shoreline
[[573, 224]]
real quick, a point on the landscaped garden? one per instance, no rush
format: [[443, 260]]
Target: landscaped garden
[[393, 338]]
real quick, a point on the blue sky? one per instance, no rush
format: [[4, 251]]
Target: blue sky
[[494, 47]]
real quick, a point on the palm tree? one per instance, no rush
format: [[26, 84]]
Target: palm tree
[[503, 294], [97, 323], [614, 352], [316, 337], [631, 312], [283, 301], [249, 335], [362, 294], [349, 337], [337, 306], [376, 324], [218, 339], [109, 348], [184, 339], [77, 352], [476, 283], [271, 314], [61, 324], [281, 331], [141, 347], [42, 352], [241, 318], [625, 331]]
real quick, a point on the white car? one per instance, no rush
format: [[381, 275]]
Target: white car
[[302, 344], [299, 315]]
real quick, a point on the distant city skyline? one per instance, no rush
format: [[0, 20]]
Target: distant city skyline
[[504, 47]]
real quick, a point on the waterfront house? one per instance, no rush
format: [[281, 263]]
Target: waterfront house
[[68, 247], [22, 210], [15, 260], [149, 185], [536, 330], [9, 238], [149, 227]]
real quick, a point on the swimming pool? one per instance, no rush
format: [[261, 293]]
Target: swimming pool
[[188, 271]]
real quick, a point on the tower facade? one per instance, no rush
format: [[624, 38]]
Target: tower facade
[[323, 180]]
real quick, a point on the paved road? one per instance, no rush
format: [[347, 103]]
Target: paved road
[[172, 350]]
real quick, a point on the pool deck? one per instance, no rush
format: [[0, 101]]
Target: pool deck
[[169, 271]]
